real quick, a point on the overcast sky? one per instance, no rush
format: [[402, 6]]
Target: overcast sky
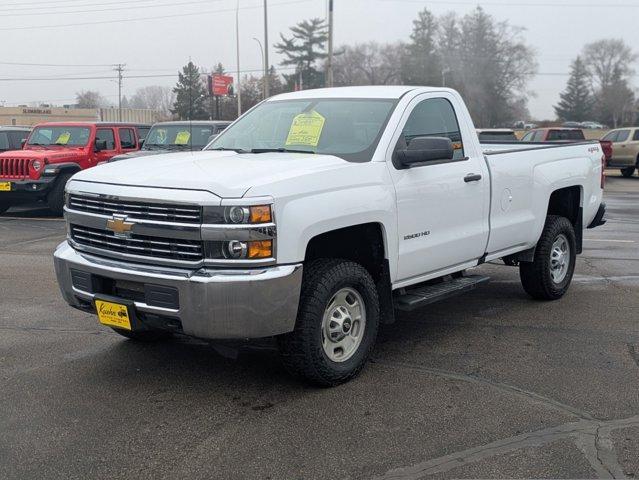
[[204, 30]]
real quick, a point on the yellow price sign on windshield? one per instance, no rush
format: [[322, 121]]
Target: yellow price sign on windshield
[[182, 138], [306, 129], [63, 138]]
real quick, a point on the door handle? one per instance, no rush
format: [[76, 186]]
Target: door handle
[[472, 177]]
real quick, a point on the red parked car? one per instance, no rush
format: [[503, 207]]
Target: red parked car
[[53, 153]]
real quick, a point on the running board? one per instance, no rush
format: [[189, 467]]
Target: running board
[[417, 297]]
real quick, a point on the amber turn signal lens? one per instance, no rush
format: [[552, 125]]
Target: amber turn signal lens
[[260, 214], [261, 249]]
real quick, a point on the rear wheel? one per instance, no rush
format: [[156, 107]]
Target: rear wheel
[[144, 336], [627, 172], [336, 325], [55, 198], [549, 275]]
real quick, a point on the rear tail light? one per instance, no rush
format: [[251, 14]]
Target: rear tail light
[[603, 168]]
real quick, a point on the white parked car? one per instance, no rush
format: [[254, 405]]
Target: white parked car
[[317, 214]]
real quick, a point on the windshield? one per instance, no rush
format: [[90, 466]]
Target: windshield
[[4, 141], [60, 135], [178, 137], [347, 128]]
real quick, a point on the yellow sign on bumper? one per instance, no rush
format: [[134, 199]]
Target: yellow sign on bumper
[[5, 186], [113, 314]]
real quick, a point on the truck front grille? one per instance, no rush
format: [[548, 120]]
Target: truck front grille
[[15, 168], [139, 245], [136, 210]]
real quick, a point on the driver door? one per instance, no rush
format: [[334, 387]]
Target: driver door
[[442, 206], [107, 135]]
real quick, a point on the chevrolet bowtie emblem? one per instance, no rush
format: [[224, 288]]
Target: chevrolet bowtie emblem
[[119, 226]]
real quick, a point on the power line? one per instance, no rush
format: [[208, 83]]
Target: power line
[[137, 19], [516, 4], [128, 7], [167, 75], [56, 64]]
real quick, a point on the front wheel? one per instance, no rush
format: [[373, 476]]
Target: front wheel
[[55, 198], [337, 323], [627, 172], [549, 275]]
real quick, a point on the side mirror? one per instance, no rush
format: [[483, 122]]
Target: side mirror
[[426, 149], [100, 145]]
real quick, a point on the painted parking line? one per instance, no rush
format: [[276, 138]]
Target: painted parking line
[[608, 240]]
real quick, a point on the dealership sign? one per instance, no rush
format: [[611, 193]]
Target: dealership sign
[[220, 85]]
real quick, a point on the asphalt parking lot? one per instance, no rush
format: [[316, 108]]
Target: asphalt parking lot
[[491, 384]]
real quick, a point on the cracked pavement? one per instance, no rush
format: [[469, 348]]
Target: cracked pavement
[[487, 385]]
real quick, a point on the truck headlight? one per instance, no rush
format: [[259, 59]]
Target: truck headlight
[[238, 215], [237, 250], [37, 165]]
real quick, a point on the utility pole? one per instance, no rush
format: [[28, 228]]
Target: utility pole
[[267, 77], [119, 68], [237, 46], [329, 63]]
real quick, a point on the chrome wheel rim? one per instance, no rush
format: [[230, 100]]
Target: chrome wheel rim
[[559, 258], [343, 325]]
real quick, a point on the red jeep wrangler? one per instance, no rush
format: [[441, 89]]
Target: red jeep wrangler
[[55, 151]]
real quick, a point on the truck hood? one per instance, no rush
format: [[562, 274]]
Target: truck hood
[[225, 174], [136, 154]]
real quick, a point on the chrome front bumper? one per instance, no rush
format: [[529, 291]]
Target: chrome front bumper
[[213, 303]]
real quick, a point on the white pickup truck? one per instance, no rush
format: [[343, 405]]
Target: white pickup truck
[[316, 215]]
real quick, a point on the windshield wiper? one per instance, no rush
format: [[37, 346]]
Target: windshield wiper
[[280, 150], [224, 149]]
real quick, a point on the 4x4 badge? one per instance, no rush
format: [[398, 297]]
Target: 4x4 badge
[[119, 226]]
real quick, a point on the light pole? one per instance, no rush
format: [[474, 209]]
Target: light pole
[[329, 63], [237, 46], [267, 77], [265, 81]]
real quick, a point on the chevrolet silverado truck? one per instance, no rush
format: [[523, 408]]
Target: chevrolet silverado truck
[[315, 216], [53, 152]]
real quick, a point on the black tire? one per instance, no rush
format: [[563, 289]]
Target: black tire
[[55, 198], [144, 336], [301, 350], [627, 172], [536, 277]]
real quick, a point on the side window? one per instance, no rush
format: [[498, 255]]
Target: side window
[[635, 137], [127, 138], [538, 136], [106, 134], [611, 137], [623, 135], [434, 117], [528, 137]]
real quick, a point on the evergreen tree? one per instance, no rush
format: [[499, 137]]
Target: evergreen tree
[[303, 50], [190, 95], [576, 101], [421, 64]]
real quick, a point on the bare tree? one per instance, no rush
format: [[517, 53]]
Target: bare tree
[[609, 58], [610, 64], [154, 97], [368, 64], [90, 99]]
